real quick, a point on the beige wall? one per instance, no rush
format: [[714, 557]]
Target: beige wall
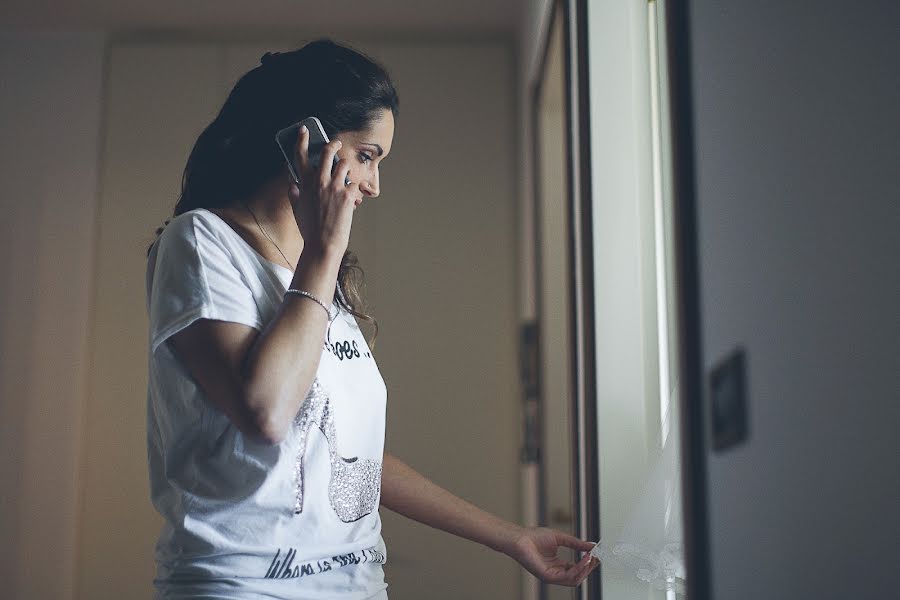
[[439, 253], [156, 102], [438, 248], [50, 113]]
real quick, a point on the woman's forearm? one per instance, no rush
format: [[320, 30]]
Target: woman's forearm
[[285, 356], [405, 491]]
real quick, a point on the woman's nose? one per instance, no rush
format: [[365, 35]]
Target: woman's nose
[[370, 186]]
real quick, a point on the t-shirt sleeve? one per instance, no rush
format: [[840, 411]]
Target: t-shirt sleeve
[[195, 277]]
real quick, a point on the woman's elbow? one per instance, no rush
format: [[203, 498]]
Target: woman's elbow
[[262, 422], [270, 432]]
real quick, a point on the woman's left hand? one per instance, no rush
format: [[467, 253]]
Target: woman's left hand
[[535, 548]]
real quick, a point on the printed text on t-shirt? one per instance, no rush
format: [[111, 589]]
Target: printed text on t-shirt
[[283, 567], [347, 349]]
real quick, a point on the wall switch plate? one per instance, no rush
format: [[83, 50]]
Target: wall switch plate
[[728, 401]]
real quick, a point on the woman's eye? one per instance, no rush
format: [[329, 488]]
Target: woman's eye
[[364, 158]]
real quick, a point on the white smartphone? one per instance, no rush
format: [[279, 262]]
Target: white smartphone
[[287, 142]]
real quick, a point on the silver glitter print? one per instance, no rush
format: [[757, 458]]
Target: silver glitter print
[[355, 483]]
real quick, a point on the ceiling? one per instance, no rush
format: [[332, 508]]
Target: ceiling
[[370, 18]]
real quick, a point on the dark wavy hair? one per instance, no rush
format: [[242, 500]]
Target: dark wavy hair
[[236, 154]]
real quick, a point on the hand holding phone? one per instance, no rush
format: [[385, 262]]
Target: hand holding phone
[[324, 213], [287, 142]]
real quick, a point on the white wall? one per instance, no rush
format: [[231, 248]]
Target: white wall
[[796, 142], [50, 118]]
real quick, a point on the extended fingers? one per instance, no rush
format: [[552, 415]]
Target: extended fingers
[[579, 572], [303, 149], [341, 171], [564, 539], [592, 564], [572, 574], [327, 164]]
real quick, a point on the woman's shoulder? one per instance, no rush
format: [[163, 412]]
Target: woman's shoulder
[[192, 227], [199, 221], [197, 246]]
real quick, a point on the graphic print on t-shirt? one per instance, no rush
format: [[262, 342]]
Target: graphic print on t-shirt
[[355, 484], [346, 350], [283, 567]]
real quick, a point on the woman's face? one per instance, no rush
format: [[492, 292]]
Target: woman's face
[[364, 150]]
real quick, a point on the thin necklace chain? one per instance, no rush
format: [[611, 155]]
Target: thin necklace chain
[[292, 268], [330, 318]]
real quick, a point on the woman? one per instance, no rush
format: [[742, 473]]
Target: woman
[[255, 352]]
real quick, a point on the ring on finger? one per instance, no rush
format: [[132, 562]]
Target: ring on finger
[[347, 180]]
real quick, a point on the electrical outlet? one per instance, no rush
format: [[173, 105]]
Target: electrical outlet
[[728, 401]]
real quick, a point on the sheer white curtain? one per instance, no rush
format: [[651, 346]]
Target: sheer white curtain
[[647, 544]]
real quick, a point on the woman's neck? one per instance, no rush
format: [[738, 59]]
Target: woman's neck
[[272, 208], [266, 221]]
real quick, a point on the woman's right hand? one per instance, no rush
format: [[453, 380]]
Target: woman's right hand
[[323, 205]]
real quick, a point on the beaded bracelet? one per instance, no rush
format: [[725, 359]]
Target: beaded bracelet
[[311, 297]]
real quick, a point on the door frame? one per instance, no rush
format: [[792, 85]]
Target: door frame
[[693, 418], [690, 362], [585, 450]]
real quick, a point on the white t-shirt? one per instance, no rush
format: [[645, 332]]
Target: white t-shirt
[[244, 519]]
